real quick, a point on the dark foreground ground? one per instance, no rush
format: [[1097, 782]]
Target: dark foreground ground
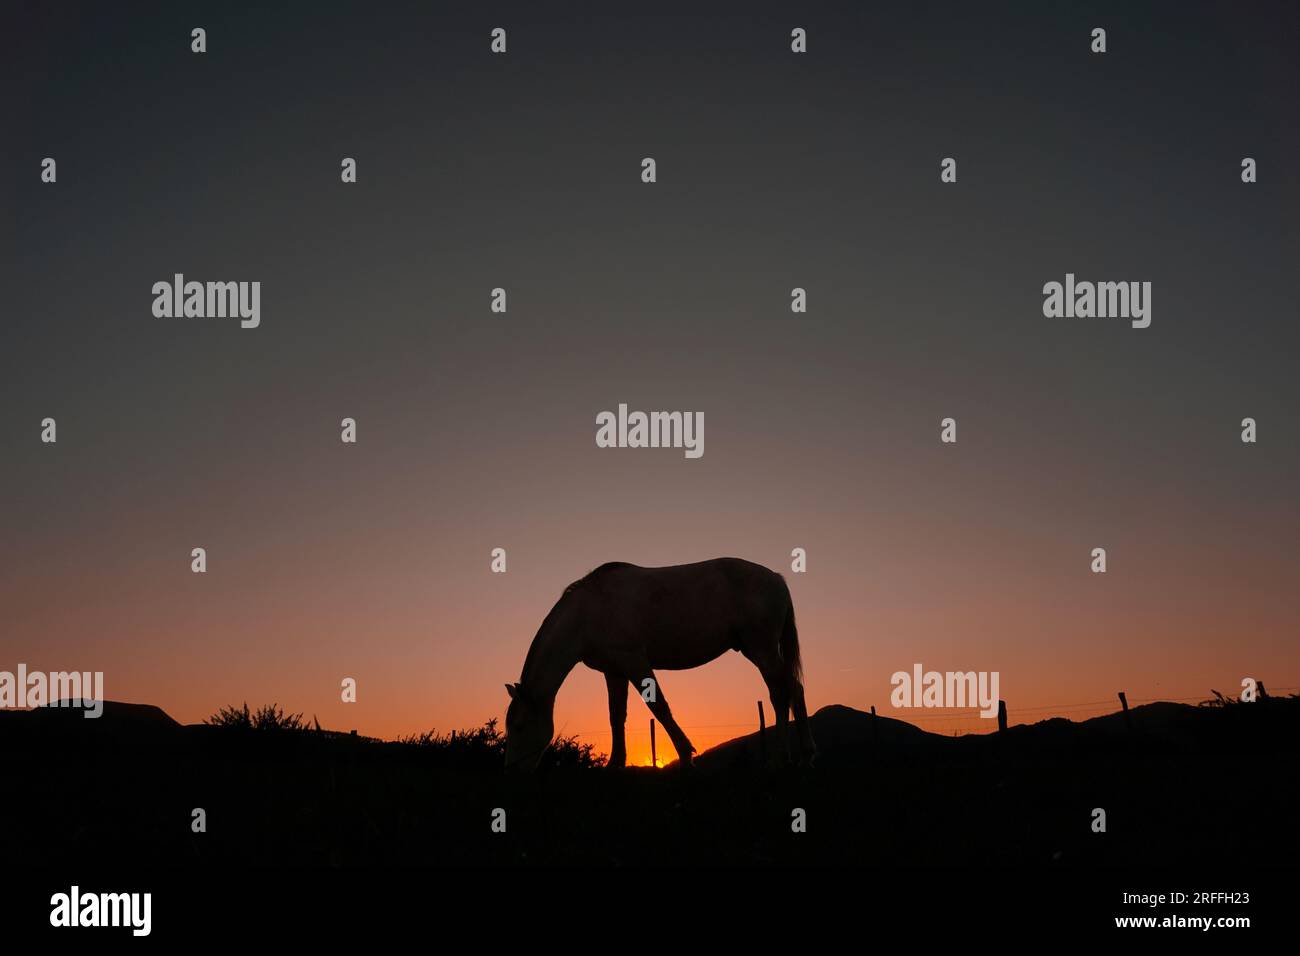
[[1180, 785]]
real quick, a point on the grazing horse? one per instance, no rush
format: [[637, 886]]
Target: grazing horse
[[625, 621]]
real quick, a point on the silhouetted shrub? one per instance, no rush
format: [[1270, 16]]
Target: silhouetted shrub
[[568, 752], [264, 718], [482, 747]]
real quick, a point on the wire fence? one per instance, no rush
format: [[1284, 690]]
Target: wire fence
[[952, 719]]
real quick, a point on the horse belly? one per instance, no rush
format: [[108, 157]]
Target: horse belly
[[678, 647]]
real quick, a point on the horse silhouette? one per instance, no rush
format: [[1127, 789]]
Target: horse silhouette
[[625, 621]]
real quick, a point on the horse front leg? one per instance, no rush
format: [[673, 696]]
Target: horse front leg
[[617, 687]]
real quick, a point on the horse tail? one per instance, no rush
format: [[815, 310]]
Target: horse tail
[[789, 646]]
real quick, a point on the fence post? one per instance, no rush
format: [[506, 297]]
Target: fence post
[[1128, 721], [875, 727], [654, 761], [1263, 694], [1002, 716], [762, 732]]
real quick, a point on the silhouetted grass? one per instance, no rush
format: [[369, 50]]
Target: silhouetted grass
[[322, 798], [1220, 700], [480, 748], [486, 747]]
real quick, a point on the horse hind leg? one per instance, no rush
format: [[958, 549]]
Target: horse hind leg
[[792, 677], [807, 748], [778, 689]]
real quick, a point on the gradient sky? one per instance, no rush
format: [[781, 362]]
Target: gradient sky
[[477, 430]]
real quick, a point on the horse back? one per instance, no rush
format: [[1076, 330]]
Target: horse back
[[679, 616]]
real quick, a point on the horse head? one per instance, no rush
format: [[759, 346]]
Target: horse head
[[530, 726]]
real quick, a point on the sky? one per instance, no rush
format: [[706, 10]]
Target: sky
[[476, 430]]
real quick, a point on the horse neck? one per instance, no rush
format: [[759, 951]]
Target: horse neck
[[553, 654]]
